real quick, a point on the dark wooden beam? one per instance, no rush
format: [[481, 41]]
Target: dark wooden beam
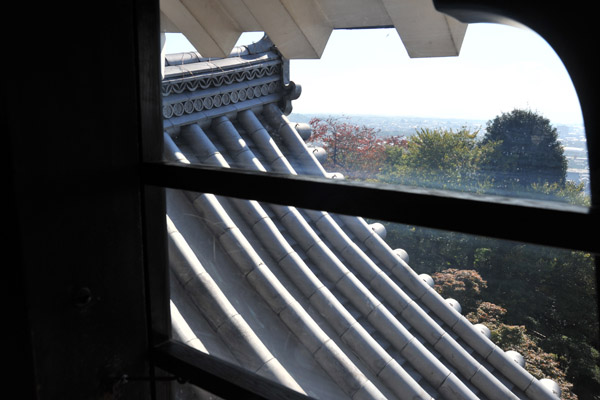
[[537, 222]]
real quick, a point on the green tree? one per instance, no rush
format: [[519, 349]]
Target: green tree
[[569, 192], [439, 158], [527, 152]]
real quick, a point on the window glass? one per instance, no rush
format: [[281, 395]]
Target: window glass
[[502, 118], [318, 302], [339, 307], [536, 300]]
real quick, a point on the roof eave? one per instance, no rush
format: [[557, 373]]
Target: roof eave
[[300, 30]]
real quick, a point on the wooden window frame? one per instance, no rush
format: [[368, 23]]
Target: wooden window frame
[[527, 221]]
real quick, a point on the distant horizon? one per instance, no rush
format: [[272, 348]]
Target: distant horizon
[[385, 115], [481, 120]]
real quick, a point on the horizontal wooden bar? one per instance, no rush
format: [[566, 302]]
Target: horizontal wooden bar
[[219, 377], [537, 222]]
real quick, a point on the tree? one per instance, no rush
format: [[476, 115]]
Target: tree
[[547, 294], [569, 192], [527, 152], [552, 293], [355, 151], [538, 362], [466, 286], [440, 158], [463, 285]]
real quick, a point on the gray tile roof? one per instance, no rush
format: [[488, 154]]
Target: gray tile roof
[[313, 300]]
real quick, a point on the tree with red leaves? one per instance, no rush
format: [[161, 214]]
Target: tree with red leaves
[[464, 285], [356, 151]]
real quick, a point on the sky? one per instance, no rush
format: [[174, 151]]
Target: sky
[[368, 72]]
